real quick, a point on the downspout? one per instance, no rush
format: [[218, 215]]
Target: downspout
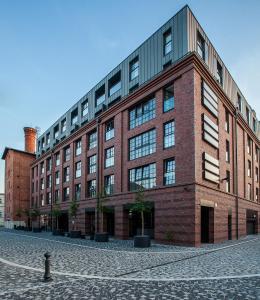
[[236, 172], [98, 177]]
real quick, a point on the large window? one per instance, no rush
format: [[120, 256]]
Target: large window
[[92, 164], [169, 135], [49, 181], [168, 100], [249, 168], [142, 145], [49, 164], [92, 188], [67, 153], [201, 46], [42, 184], [78, 169], [114, 83], [74, 116], [48, 198], [109, 184], [57, 159], [57, 177], [227, 151], [256, 174], [169, 171], [56, 131], [84, 108], [167, 42], [109, 157], [219, 74], [66, 194], [109, 131], [227, 120], [248, 115], [42, 168], [100, 95], [239, 102], [63, 125], [228, 182], [48, 138], [144, 177], [57, 196], [66, 174], [134, 68], [77, 191], [142, 113], [92, 140], [249, 142], [78, 147]]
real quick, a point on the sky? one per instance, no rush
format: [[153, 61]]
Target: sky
[[54, 51]]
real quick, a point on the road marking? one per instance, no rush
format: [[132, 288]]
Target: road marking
[[12, 264]]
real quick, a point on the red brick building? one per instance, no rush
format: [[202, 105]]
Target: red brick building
[[185, 133], [17, 180]]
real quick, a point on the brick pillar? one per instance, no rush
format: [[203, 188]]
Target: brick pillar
[[121, 223]]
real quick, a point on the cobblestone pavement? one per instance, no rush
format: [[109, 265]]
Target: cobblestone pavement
[[162, 272]]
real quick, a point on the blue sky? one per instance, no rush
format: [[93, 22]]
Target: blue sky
[[53, 51]]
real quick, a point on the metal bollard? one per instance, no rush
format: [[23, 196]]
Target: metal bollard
[[47, 274]]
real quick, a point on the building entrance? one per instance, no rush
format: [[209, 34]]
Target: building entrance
[[207, 224]]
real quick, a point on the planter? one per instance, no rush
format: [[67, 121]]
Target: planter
[[37, 230], [101, 237], [142, 241], [57, 232], [75, 234], [92, 236]]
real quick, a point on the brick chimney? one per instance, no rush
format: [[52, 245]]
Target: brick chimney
[[30, 139]]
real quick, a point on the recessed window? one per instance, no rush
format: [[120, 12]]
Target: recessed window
[[57, 159], [169, 134], [239, 102], [49, 181], [67, 153], [227, 151], [48, 138], [256, 174], [92, 164], [167, 42], [43, 142], [49, 164], [114, 83], [256, 194], [254, 124], [201, 46], [168, 99], [109, 184], [48, 198], [77, 191], [249, 191], [66, 194], [78, 147], [219, 74], [84, 108], [57, 196], [134, 68], [56, 131], [57, 177], [92, 140], [109, 157], [42, 184], [169, 171], [100, 96], [63, 125], [66, 174], [142, 177], [227, 181], [249, 143], [249, 168], [109, 131], [74, 116], [42, 168], [256, 153], [78, 169], [92, 188], [227, 121], [248, 115]]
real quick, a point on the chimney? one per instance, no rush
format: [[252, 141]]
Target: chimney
[[29, 139]]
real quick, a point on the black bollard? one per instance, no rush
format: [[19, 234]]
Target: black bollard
[[47, 274]]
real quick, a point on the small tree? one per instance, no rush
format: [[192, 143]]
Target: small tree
[[101, 199], [73, 210], [27, 213], [35, 213], [19, 213], [56, 213], [141, 206]]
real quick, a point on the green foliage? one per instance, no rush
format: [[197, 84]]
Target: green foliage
[[73, 209], [19, 213], [56, 211], [140, 205], [34, 213]]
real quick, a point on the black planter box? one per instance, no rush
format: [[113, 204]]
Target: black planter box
[[75, 234], [142, 241], [92, 236], [101, 237], [57, 232], [37, 230]]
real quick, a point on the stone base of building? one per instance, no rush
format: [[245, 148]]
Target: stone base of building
[[12, 224]]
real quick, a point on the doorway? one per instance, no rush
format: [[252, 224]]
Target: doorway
[[109, 222], [207, 224], [90, 222], [135, 224], [64, 222], [251, 217]]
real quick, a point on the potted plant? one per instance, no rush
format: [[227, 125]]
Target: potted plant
[[73, 210], [56, 213], [141, 206], [27, 213], [100, 235], [35, 213]]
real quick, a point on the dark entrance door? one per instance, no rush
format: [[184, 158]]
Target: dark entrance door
[[110, 222], [207, 224], [251, 222], [230, 227], [90, 222], [64, 222]]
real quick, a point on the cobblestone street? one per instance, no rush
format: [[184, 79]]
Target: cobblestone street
[[83, 269]]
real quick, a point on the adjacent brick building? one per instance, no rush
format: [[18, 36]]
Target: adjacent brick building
[[171, 119], [2, 209], [17, 180]]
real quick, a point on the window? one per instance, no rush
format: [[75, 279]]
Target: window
[[109, 157], [227, 121], [84, 108], [42, 184], [42, 168], [239, 102], [92, 164], [57, 196], [169, 171], [142, 113], [109, 184], [249, 170], [256, 153], [43, 143], [134, 68], [100, 95], [57, 159], [248, 115], [92, 184], [92, 141], [248, 145], [67, 153], [48, 198], [63, 125], [78, 169], [254, 124], [249, 193], [256, 174], [77, 191], [168, 100], [42, 199], [74, 116], [228, 182], [78, 147], [109, 131], [66, 194], [219, 73], [201, 46], [66, 174], [167, 42], [49, 164], [142, 145], [49, 181], [144, 177], [114, 83], [39, 145], [256, 194], [227, 151], [169, 136], [57, 177], [48, 137], [56, 131]]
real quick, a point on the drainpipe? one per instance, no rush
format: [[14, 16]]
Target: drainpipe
[[98, 177], [236, 171], [52, 186]]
